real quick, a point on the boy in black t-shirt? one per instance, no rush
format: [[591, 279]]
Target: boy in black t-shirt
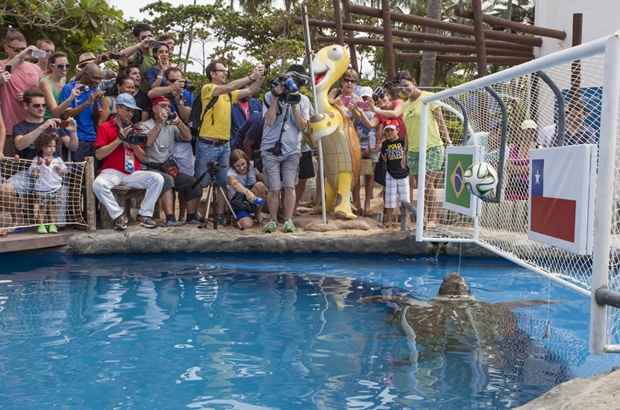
[[397, 176]]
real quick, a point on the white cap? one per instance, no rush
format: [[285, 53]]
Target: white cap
[[528, 124], [365, 92]]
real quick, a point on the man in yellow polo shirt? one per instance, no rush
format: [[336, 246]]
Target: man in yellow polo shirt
[[213, 141]]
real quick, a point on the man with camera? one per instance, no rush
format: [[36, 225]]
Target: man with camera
[[143, 50], [162, 132], [214, 134], [82, 109], [286, 117], [178, 90], [119, 147]]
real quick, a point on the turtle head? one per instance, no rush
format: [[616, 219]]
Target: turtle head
[[454, 285]]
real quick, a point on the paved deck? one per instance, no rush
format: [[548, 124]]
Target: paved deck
[[31, 240]]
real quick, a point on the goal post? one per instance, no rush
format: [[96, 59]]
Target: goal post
[[583, 81]]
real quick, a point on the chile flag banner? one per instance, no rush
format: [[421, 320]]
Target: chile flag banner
[[561, 203]]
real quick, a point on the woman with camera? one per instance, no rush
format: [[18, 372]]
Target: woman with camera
[[246, 190]]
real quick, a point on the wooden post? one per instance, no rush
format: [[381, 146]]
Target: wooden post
[[89, 178], [338, 21], [350, 34], [481, 50], [520, 27], [388, 49], [575, 67]]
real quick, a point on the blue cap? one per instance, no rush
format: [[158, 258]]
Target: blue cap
[[128, 101]]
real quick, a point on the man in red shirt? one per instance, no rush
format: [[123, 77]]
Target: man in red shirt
[[121, 166]]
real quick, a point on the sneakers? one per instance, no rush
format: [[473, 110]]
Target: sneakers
[[147, 222], [271, 226], [289, 226], [42, 229], [53, 229], [173, 223], [193, 222], [120, 224]]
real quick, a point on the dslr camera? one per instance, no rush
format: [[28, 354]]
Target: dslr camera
[[134, 137], [189, 86], [290, 87]]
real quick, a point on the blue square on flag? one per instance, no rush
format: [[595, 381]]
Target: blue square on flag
[[538, 171]]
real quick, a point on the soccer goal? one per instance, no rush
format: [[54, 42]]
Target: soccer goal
[[564, 105], [40, 194]]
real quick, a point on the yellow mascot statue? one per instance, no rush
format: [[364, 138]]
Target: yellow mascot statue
[[333, 127]]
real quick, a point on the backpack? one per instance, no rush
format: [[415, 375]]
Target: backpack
[[197, 114]]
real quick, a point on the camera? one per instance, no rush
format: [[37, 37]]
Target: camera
[[290, 86], [276, 150], [378, 93], [107, 86], [115, 56], [189, 86], [134, 137], [171, 117], [154, 44], [84, 88]]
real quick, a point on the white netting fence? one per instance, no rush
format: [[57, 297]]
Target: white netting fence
[[532, 116], [40, 194]]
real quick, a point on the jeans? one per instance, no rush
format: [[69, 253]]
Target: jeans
[[206, 153]]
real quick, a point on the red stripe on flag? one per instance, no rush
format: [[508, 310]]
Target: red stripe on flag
[[554, 217]]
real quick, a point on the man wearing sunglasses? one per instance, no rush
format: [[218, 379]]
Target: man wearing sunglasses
[[23, 75]]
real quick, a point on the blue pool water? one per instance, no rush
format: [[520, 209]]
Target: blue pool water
[[271, 332]]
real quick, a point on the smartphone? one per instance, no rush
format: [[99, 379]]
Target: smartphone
[[154, 44], [38, 53], [8, 68], [63, 124], [115, 56], [362, 104], [347, 100]]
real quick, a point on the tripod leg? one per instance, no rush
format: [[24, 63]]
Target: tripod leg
[[205, 218], [230, 208]]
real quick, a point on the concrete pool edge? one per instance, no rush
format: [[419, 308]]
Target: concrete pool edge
[[180, 240]]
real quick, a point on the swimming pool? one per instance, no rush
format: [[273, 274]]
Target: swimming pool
[[268, 332]]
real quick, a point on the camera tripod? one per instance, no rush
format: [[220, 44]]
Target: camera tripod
[[212, 190]]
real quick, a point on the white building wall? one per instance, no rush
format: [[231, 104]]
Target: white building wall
[[600, 18]]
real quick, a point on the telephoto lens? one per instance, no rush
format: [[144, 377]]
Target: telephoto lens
[[258, 201]]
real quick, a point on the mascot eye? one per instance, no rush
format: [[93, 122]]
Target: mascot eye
[[335, 53]]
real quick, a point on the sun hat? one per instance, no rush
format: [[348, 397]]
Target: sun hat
[[390, 124], [365, 92], [85, 58], [528, 124], [127, 100]]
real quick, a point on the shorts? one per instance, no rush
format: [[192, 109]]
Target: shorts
[[435, 157], [242, 214], [48, 198], [306, 166], [281, 171], [23, 184], [396, 191]]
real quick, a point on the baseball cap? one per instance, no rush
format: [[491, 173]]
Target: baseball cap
[[159, 100], [85, 58], [296, 68], [128, 101], [365, 92], [390, 124], [528, 124]]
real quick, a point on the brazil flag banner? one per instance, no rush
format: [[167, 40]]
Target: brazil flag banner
[[457, 197]]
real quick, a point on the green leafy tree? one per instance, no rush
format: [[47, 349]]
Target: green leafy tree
[[75, 26]]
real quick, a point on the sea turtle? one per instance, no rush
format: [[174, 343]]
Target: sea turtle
[[332, 125], [455, 321]]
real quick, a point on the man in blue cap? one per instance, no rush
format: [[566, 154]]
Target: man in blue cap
[[121, 156]]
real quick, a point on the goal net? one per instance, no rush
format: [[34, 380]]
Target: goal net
[[37, 194], [509, 116]]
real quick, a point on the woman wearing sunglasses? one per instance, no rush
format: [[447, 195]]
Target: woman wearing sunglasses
[[52, 83]]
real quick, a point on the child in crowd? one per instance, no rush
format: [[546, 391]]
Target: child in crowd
[[397, 176], [246, 192], [48, 171]]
